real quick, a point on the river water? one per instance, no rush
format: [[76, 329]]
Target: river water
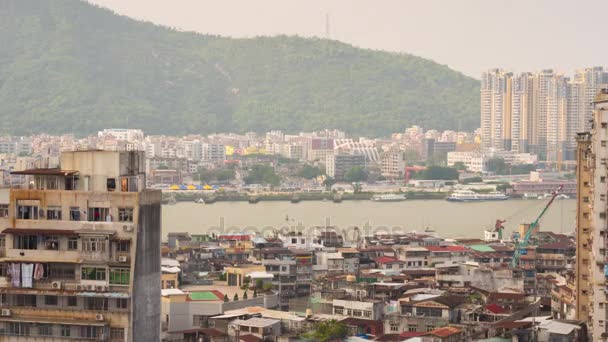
[[447, 219]]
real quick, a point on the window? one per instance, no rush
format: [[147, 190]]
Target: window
[[27, 212], [602, 215], [51, 183], [170, 284], [586, 199], [357, 313], [3, 210], [53, 213], [61, 271], [24, 300], [93, 273], [412, 328], [430, 328], [65, 331], [3, 272], [117, 334], [72, 244], [604, 125], [25, 242], [51, 243], [100, 304], [74, 214], [294, 240], [2, 241], [119, 276], [45, 329], [339, 310], [125, 214], [603, 179], [19, 329], [90, 332], [428, 312], [111, 184], [198, 320], [94, 244], [603, 143], [50, 300], [123, 246], [367, 314], [72, 301], [122, 303], [394, 327], [100, 214]]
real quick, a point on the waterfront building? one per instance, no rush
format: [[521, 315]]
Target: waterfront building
[[337, 165], [392, 163], [81, 251]]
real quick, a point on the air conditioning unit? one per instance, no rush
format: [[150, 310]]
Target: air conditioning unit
[[127, 229], [99, 317], [5, 312], [123, 258], [90, 287], [56, 285], [80, 287], [100, 288]]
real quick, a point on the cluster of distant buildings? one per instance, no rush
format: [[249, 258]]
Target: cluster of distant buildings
[[538, 112], [381, 287], [170, 160]]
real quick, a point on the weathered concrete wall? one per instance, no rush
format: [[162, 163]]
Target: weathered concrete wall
[[146, 276]]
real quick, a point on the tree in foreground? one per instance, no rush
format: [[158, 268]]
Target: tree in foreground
[[328, 331]]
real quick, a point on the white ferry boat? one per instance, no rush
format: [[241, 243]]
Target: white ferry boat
[[389, 198], [530, 195], [470, 196]]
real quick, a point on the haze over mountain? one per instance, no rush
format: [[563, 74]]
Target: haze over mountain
[[68, 66]]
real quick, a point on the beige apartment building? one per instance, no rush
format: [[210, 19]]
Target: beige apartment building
[[592, 226], [80, 252]]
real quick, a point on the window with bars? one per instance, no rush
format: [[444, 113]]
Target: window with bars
[[119, 276], [3, 210], [53, 213], [125, 214], [93, 273]]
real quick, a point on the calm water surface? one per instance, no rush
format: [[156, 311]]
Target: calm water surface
[[448, 219]]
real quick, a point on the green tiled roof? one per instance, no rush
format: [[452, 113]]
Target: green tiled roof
[[482, 248], [203, 295]]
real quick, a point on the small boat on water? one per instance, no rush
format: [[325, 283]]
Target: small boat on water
[[530, 195], [199, 200], [560, 196], [389, 198], [337, 198], [295, 199], [471, 196]]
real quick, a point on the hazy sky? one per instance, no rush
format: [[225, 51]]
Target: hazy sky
[[467, 35]]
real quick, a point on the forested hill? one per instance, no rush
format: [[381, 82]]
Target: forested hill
[[68, 66]]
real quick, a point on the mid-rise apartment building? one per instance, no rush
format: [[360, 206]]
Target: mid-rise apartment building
[[337, 165], [392, 163], [81, 252]]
